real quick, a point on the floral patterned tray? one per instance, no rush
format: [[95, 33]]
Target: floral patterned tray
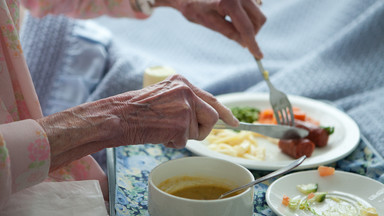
[[129, 167]]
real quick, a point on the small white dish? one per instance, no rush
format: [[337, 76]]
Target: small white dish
[[355, 187], [340, 144]]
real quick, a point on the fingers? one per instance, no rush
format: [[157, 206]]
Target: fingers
[[224, 113], [255, 15], [174, 111], [258, 20], [206, 117], [247, 19], [218, 23]]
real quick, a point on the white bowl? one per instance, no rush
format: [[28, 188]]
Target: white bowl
[[161, 203]]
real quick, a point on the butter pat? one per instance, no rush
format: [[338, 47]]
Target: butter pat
[[156, 74], [266, 75]]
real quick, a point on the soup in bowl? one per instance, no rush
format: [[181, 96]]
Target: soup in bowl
[[197, 187], [191, 186]]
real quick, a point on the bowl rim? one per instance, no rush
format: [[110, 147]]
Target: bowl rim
[[246, 171]]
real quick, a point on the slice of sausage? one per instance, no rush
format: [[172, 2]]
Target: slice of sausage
[[317, 135], [297, 147]]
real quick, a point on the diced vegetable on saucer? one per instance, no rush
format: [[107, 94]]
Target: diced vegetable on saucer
[[325, 171], [307, 188], [310, 195], [319, 196], [285, 200], [294, 203], [315, 202]]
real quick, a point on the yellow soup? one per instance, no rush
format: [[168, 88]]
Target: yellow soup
[[199, 188], [202, 192]]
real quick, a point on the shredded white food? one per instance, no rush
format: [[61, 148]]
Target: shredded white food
[[241, 144]]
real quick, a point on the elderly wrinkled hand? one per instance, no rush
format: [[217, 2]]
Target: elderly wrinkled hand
[[169, 112], [245, 21]]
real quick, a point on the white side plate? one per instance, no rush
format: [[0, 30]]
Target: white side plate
[[357, 187]]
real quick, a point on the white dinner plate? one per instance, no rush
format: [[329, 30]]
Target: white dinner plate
[[341, 143], [354, 187]]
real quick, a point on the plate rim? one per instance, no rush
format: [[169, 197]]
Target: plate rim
[[312, 172], [266, 165]]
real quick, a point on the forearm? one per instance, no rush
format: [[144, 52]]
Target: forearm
[[70, 131]]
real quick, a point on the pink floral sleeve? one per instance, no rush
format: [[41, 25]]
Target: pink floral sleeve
[[82, 8], [24, 145], [5, 173]]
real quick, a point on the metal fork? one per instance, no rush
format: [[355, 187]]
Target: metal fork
[[279, 101]]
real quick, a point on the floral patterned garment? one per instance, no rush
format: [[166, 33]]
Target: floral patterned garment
[[24, 147]]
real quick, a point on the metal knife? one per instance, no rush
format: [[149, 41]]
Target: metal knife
[[270, 130]]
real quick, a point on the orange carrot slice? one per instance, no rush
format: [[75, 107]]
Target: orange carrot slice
[[311, 195], [285, 200], [325, 171], [266, 117]]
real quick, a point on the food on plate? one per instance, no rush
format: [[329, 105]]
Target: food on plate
[[244, 144], [266, 116], [241, 144], [325, 171], [313, 202], [297, 147], [318, 135], [307, 188], [285, 200], [246, 114], [317, 196], [310, 195]]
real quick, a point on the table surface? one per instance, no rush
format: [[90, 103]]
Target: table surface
[[129, 168]]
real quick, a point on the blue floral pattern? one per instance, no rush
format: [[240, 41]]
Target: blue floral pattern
[[134, 163]]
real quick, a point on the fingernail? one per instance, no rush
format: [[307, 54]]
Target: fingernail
[[236, 121], [259, 55]]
